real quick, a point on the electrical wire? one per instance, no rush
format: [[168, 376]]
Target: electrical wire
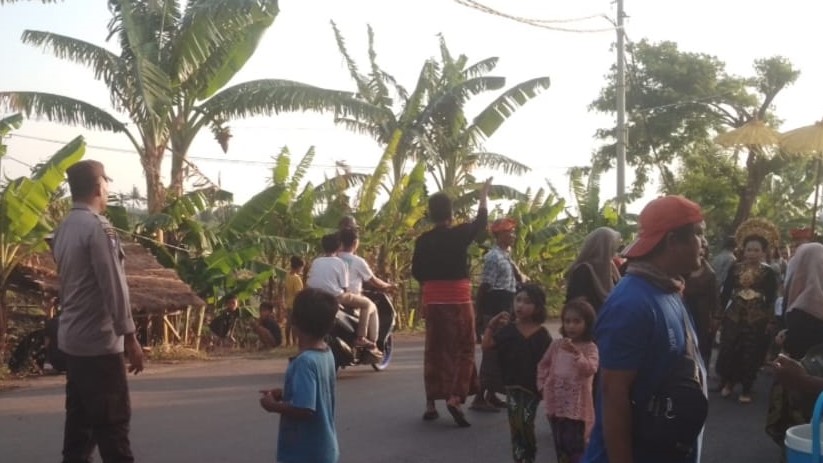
[[223, 160], [541, 23], [197, 158]]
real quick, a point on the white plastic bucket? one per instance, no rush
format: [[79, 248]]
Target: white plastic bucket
[[803, 442]]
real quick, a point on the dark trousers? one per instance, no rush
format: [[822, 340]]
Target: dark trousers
[[522, 406], [491, 378], [98, 410], [569, 439]]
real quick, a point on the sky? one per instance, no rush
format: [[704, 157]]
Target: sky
[[551, 133]]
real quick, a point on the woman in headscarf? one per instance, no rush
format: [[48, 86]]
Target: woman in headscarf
[[748, 321], [594, 273], [804, 330], [440, 264], [804, 304]]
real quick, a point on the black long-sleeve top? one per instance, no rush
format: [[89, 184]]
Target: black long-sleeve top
[[442, 252], [581, 285]]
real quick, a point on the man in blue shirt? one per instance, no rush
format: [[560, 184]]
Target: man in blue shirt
[[640, 329]]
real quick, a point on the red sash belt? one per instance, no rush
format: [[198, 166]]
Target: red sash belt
[[447, 292]]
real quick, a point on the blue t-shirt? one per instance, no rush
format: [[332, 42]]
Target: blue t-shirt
[[309, 384], [639, 327]]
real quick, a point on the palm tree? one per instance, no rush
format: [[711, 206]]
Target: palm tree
[[169, 80]]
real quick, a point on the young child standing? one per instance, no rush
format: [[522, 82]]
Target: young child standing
[[306, 402], [520, 345], [291, 286], [564, 376]]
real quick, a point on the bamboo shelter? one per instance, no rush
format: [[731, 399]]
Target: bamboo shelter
[[155, 292]]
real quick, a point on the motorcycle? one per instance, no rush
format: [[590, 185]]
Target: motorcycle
[[342, 336]]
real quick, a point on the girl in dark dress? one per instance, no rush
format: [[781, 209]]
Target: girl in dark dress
[[748, 322], [520, 346]]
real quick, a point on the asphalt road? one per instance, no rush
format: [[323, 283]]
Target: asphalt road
[[209, 412]]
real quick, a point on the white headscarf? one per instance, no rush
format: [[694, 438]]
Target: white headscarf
[[804, 289]]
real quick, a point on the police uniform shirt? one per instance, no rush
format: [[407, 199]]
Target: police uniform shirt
[[93, 290]]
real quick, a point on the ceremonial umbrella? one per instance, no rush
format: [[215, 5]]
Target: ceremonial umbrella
[[807, 140], [752, 133]]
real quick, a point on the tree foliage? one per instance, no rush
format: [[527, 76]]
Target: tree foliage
[[678, 101], [24, 206], [169, 77]]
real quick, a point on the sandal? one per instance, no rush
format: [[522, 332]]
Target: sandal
[[364, 343], [430, 415], [457, 415], [494, 401]]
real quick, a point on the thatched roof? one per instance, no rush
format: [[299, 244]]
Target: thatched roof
[[152, 287]]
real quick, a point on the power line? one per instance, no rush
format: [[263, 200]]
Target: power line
[[541, 23], [198, 158], [10, 158], [220, 160]]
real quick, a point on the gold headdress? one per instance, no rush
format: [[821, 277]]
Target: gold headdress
[[759, 227]]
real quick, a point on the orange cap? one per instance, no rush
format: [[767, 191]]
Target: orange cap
[[659, 217], [503, 225]]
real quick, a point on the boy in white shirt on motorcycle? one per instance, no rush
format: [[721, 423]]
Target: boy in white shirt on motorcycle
[[330, 274]]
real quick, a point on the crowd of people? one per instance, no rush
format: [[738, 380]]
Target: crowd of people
[[627, 381]]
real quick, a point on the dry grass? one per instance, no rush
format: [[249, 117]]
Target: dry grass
[[254, 354], [174, 353]]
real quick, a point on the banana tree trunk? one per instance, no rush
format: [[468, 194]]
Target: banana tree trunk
[[382, 260], [4, 324], [179, 149], [152, 161]]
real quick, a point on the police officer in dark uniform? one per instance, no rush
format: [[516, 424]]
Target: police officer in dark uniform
[[96, 325]]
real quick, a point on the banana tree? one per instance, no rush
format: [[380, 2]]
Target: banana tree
[[429, 122], [24, 203], [544, 248], [452, 144], [398, 126], [169, 77], [214, 250], [584, 185]]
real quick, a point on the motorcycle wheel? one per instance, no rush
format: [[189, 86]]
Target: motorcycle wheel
[[387, 354]]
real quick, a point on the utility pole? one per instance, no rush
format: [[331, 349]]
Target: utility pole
[[622, 133]]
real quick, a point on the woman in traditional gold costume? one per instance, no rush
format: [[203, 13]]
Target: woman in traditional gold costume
[[747, 301]]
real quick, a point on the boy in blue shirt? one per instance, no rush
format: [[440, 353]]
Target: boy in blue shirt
[[306, 402]]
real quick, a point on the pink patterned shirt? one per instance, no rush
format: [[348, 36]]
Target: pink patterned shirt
[[565, 379]]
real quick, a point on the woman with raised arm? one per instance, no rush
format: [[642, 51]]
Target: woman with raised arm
[[441, 265]]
